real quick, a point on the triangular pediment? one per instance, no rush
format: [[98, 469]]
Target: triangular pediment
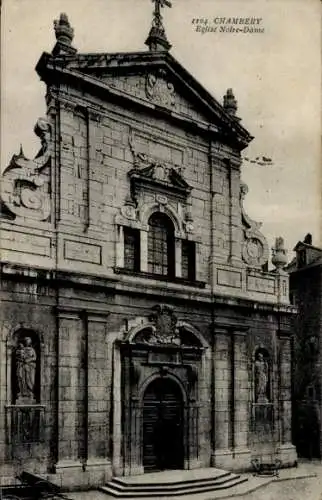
[[149, 78], [157, 87]]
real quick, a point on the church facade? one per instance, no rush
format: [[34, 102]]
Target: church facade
[[140, 328]]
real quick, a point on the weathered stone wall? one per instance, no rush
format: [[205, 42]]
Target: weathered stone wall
[[95, 160], [79, 325]]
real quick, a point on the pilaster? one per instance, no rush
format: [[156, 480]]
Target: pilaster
[[178, 254], [69, 356], [98, 462], [241, 452], [286, 450], [119, 254], [117, 412], [144, 250], [222, 376]]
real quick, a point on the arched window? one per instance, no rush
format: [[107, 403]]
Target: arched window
[[161, 259]]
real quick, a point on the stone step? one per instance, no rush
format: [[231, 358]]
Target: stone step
[[219, 478], [124, 488]]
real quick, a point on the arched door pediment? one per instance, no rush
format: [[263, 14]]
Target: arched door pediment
[[162, 328]]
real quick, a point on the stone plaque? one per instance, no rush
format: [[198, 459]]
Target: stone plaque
[[229, 278], [260, 284], [25, 243], [82, 252], [168, 357]]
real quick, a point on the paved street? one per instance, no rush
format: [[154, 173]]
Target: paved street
[[299, 489]]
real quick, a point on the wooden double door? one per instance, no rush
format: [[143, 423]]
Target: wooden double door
[[163, 436]]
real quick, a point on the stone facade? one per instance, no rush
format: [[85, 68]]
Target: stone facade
[[128, 136], [305, 292]]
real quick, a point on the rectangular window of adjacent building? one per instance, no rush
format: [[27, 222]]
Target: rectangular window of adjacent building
[[131, 249], [301, 258], [188, 260]]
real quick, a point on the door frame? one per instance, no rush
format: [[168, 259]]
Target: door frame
[[141, 364]]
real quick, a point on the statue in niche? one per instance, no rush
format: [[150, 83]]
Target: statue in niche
[[26, 358], [261, 379]]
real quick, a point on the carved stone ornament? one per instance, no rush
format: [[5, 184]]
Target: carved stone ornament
[[160, 175], [163, 330], [279, 257], [161, 199], [189, 227], [255, 249], [26, 183], [152, 174], [159, 90], [128, 212]]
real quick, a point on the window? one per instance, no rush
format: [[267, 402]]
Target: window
[[188, 260], [161, 259], [131, 249], [301, 258]]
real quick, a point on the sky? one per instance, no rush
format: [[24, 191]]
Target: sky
[[275, 75]]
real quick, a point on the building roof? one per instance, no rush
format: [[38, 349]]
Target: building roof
[[94, 71]]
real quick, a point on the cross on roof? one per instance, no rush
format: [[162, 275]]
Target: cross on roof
[[161, 3], [157, 39], [157, 10]]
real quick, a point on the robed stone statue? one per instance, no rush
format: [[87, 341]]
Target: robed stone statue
[[26, 358], [261, 379]]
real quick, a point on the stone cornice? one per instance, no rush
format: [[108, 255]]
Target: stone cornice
[[133, 285]]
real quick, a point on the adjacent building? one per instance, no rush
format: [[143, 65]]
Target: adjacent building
[[306, 293], [136, 301]]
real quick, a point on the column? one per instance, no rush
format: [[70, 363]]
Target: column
[[99, 387], [70, 394], [241, 451]]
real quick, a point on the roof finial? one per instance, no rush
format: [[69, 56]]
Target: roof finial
[[64, 35], [157, 39], [279, 258], [230, 103]]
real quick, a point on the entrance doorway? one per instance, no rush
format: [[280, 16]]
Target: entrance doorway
[[163, 426]]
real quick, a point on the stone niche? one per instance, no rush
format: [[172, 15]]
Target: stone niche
[[24, 411], [161, 373]]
